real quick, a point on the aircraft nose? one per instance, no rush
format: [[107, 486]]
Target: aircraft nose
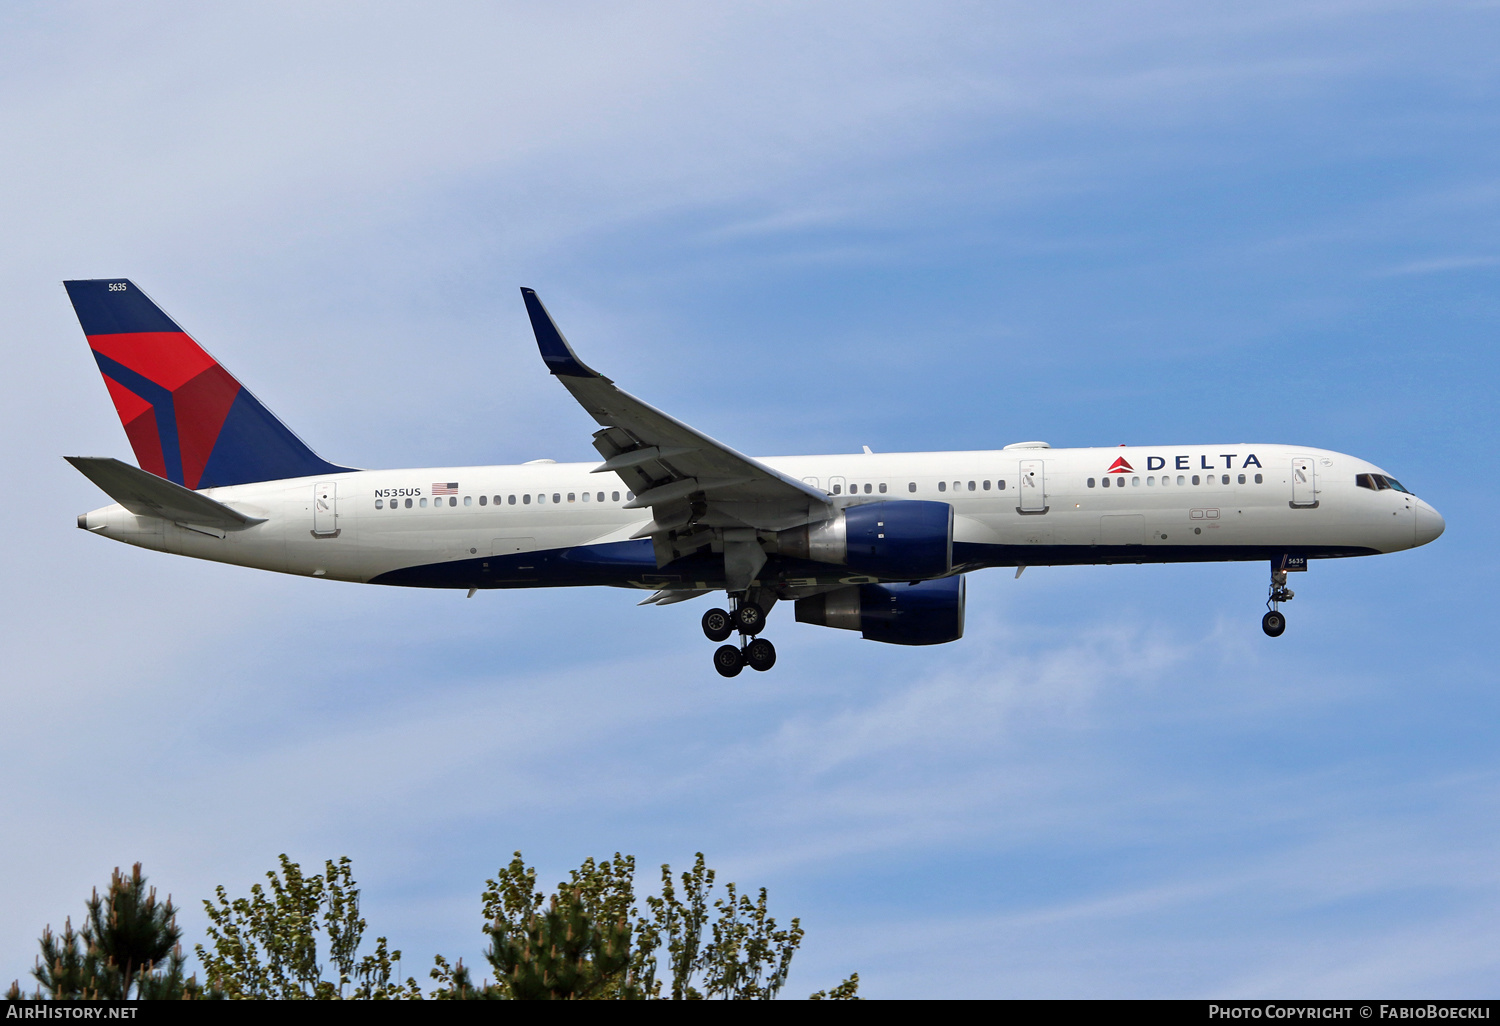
[[1429, 523]]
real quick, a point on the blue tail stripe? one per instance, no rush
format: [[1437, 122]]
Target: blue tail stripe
[[161, 403]]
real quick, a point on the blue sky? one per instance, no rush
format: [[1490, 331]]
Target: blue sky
[[801, 229]]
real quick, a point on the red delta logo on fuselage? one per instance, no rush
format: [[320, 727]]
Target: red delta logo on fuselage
[[1205, 462]]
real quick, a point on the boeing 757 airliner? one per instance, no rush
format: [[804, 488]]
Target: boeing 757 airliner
[[872, 542]]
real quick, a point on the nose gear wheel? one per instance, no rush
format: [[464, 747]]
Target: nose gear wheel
[[1274, 622]]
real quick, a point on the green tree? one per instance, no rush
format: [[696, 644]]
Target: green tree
[[591, 940], [266, 945], [128, 947]]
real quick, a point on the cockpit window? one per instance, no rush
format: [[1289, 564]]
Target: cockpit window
[[1379, 482]]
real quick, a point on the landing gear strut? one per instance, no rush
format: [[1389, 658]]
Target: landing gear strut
[[1274, 622], [749, 618]]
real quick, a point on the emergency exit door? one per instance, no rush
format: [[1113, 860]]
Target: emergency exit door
[[1033, 487]]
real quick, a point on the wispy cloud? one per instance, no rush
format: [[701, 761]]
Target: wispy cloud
[[1439, 265]]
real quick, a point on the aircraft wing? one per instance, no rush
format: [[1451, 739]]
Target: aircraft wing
[[688, 480], [147, 495]]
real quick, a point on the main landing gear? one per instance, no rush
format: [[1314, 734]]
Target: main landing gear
[[1274, 622], [749, 618]]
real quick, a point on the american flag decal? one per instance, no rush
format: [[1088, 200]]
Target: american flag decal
[[451, 488]]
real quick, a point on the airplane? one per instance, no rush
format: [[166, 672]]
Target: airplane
[[877, 543]]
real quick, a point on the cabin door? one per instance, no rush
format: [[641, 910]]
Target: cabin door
[[1304, 482], [326, 508]]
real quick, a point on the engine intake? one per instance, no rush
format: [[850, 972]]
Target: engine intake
[[925, 613], [904, 539]]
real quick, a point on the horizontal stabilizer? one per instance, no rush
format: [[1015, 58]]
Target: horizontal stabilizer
[[147, 495]]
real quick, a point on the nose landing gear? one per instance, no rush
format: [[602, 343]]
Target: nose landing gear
[[1274, 622], [749, 618]]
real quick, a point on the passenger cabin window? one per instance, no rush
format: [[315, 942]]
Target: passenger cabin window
[[971, 486], [882, 488], [422, 503], [1242, 479], [526, 499], [629, 496], [572, 496], [1257, 479], [942, 486], [867, 488], [985, 485], [838, 489], [1091, 482], [483, 499], [599, 497], [1195, 479], [911, 486], [378, 504], [510, 499], [614, 496], [408, 504], [1225, 479], [1000, 484], [469, 500]]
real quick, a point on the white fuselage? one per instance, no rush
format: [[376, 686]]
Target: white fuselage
[[1014, 506]]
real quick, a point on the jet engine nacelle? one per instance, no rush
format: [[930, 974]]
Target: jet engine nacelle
[[903, 540], [924, 613]]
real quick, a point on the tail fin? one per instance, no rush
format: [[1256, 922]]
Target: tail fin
[[187, 418]]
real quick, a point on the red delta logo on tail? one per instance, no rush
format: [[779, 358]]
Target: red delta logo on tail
[[1121, 466], [187, 418]]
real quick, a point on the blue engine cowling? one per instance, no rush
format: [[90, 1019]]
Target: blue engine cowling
[[924, 613], [895, 540], [905, 539]]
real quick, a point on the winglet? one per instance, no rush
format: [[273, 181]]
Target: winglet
[[559, 356]]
